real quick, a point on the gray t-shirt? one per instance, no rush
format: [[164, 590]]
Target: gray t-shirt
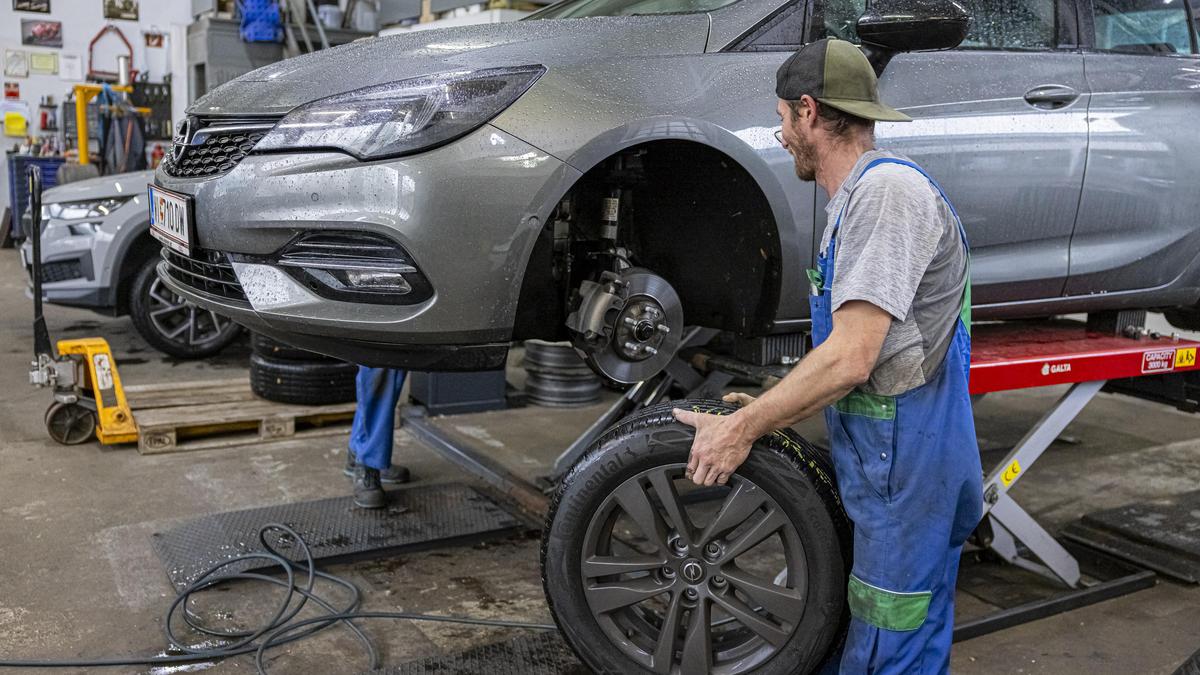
[[899, 249]]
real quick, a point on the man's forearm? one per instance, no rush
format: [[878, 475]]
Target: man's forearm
[[820, 379]]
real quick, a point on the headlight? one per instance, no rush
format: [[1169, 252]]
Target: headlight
[[97, 208], [402, 117]]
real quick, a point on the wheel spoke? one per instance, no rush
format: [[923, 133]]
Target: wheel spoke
[[752, 620], [664, 651], [605, 598], [764, 527], [785, 603], [697, 646], [603, 566], [178, 331], [636, 503], [664, 487], [216, 319], [167, 310], [191, 325], [741, 502]]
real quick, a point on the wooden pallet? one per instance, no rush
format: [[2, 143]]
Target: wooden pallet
[[176, 417]]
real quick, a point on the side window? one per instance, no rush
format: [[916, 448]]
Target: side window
[[839, 18], [1143, 26], [783, 31], [1011, 24]]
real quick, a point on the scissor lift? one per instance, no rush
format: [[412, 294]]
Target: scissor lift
[[1025, 355]]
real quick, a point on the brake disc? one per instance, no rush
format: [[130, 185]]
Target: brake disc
[[628, 326]]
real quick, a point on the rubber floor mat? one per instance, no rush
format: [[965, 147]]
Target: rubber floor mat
[[335, 529], [1162, 534], [536, 654]]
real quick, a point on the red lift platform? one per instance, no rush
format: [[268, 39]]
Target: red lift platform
[[1024, 355]]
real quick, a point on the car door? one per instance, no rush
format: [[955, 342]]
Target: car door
[[1001, 123], [1139, 217]]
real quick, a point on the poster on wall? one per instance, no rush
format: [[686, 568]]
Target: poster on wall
[[121, 9], [154, 40], [43, 63], [42, 6], [16, 63], [40, 33], [71, 68]]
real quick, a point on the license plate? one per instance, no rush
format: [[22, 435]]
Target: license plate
[[171, 219]]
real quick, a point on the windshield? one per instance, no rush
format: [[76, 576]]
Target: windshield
[[576, 9]]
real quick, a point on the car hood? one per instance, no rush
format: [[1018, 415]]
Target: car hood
[[103, 187], [280, 87]]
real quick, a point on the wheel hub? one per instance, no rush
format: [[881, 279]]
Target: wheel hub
[[627, 326], [692, 571]]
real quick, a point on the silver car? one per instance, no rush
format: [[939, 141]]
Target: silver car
[[97, 253], [606, 172]]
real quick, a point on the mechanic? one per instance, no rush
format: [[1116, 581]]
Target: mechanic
[[890, 318], [369, 456]]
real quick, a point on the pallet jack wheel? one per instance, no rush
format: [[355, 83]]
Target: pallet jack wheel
[[70, 423], [646, 573]]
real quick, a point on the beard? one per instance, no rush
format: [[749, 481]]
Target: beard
[[804, 155]]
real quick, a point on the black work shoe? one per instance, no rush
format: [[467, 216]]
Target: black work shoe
[[393, 475], [368, 491]]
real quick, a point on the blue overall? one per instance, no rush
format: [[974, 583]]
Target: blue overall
[[371, 434], [910, 478]]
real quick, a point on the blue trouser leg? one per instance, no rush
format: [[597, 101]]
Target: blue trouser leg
[[374, 418]]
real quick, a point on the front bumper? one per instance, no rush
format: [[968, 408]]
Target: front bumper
[[467, 213], [68, 273]]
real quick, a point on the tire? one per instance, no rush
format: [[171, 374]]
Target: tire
[[303, 382], [1190, 667], [157, 314], [784, 476], [274, 349], [1185, 318]]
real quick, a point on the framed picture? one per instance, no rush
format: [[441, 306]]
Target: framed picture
[[121, 9], [43, 63], [41, 33], [42, 6], [154, 40], [16, 63]]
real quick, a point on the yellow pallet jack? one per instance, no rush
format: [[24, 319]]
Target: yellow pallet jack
[[88, 397]]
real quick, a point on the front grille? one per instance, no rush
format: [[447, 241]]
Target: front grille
[[207, 271], [63, 270], [213, 148]]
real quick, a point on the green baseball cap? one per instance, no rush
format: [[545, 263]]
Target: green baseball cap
[[837, 74]]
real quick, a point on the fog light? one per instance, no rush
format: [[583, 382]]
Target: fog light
[[386, 282], [354, 267]]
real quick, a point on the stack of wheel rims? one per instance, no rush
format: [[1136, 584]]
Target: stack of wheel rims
[[645, 572], [286, 374]]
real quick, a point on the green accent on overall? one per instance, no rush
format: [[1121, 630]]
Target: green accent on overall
[[863, 404], [887, 609]]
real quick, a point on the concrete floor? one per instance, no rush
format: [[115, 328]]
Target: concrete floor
[[80, 579]]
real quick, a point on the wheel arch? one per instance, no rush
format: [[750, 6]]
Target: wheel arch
[[745, 280]]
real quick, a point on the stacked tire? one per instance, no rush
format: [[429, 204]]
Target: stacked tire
[[285, 374]]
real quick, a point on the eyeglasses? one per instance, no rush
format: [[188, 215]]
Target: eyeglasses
[[779, 136]]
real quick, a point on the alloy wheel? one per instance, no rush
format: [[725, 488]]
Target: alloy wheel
[[687, 580], [180, 321]]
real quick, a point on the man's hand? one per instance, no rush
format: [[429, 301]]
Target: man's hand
[[719, 448]]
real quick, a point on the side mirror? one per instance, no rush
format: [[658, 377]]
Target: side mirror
[[889, 27]]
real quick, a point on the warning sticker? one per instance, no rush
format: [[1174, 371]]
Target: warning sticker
[[1161, 361], [1010, 474], [1185, 358]]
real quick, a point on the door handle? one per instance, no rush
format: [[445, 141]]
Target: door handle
[[1051, 96]]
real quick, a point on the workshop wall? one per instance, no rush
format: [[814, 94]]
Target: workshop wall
[[81, 21]]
